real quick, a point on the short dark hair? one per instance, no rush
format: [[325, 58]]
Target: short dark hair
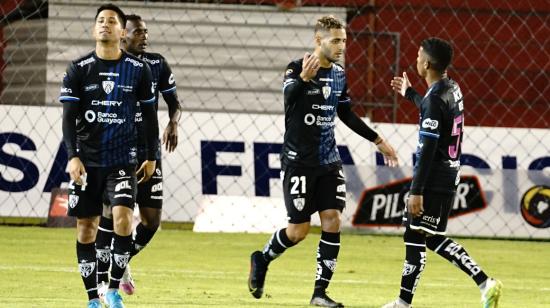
[[116, 9], [133, 17], [328, 22], [439, 51]]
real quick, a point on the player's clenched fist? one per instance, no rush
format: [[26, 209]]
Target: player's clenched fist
[[310, 66]]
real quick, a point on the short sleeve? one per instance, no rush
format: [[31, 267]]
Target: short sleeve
[[167, 83], [70, 89], [146, 89]]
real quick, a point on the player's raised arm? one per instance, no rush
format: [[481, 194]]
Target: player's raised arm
[[402, 85], [296, 75]]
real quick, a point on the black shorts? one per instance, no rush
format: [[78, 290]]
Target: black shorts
[[437, 207], [117, 184], [310, 190], [149, 194]]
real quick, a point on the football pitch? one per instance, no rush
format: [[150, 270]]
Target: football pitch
[[186, 269]]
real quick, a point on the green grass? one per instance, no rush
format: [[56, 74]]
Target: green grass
[[185, 269]]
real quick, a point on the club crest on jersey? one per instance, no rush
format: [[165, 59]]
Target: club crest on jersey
[[408, 269], [299, 203], [73, 200], [86, 268], [326, 91], [108, 86]]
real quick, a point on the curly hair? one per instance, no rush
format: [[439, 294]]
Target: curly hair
[[328, 22]]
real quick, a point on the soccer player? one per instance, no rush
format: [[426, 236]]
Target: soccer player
[[436, 175], [149, 194], [102, 93], [315, 91]]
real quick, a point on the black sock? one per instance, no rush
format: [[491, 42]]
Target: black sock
[[456, 254], [143, 237], [415, 261], [87, 262], [327, 254], [276, 245], [103, 248], [120, 258]]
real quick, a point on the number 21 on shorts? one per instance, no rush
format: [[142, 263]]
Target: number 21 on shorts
[[298, 185]]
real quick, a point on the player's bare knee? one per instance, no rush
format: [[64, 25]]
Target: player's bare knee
[[87, 230], [331, 222], [297, 232], [297, 236], [151, 224], [122, 220], [150, 218], [331, 225]]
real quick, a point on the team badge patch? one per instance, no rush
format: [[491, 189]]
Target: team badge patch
[[331, 264], [121, 260], [103, 255], [86, 268], [299, 203], [73, 201], [108, 86], [408, 269], [326, 91]]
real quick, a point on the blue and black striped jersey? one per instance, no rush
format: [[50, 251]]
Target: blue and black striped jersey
[[310, 112], [108, 94]]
